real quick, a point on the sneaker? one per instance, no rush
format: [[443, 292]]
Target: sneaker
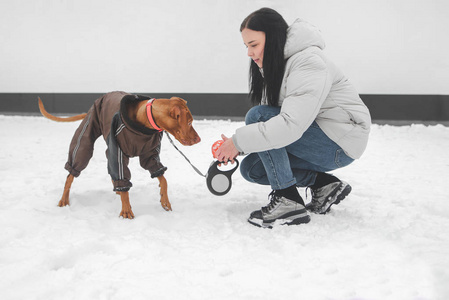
[[324, 197], [281, 211]]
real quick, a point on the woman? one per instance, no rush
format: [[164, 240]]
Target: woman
[[308, 120]]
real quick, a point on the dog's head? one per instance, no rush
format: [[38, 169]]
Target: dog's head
[[179, 122]]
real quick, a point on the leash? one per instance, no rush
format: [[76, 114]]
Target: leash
[[218, 182], [195, 168]]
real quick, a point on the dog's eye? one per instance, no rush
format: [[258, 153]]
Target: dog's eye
[[190, 124]]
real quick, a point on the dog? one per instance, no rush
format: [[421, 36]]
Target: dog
[[132, 125]]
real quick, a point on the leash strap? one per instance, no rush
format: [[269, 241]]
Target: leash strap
[[171, 141]]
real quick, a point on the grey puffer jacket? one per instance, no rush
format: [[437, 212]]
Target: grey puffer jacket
[[313, 89]]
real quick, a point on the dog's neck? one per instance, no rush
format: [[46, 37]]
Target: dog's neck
[[141, 117]]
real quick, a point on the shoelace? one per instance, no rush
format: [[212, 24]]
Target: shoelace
[[273, 202]]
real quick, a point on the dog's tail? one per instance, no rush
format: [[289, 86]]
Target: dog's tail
[[58, 119]]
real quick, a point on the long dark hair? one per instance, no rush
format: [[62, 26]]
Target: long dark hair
[[275, 28]]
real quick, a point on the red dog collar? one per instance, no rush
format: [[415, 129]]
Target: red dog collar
[[150, 115]]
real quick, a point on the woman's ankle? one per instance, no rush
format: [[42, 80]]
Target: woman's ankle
[[323, 179], [290, 193]]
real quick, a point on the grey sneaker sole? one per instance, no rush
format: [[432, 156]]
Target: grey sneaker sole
[[335, 197], [293, 218]]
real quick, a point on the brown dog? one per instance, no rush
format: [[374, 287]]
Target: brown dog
[[132, 126]]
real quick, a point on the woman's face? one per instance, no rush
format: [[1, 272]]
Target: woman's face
[[255, 42]]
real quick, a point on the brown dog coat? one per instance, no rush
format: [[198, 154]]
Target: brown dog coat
[[125, 138]]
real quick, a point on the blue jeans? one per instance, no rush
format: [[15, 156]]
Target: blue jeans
[[296, 164]]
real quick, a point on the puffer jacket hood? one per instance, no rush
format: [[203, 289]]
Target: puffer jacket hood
[[302, 35]]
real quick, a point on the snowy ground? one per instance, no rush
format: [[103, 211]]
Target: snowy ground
[[388, 240]]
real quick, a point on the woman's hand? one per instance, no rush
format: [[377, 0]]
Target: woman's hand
[[227, 151]]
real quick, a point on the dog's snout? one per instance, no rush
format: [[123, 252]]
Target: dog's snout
[[189, 140], [196, 138]]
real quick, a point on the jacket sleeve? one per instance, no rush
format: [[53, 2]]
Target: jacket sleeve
[[307, 85], [150, 161]]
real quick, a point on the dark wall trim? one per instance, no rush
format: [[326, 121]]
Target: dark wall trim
[[408, 107], [423, 108], [224, 105]]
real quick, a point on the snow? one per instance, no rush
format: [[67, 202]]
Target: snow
[[387, 240]]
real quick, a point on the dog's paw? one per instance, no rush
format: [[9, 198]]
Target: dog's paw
[[166, 204], [63, 202], [127, 214]]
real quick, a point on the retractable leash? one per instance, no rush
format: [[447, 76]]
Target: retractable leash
[[218, 182]]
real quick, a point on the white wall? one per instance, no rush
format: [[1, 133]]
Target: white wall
[[194, 46]]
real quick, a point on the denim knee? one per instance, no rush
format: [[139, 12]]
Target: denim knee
[[261, 113], [245, 168], [252, 169], [252, 116]]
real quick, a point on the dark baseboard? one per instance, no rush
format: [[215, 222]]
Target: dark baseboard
[[386, 108], [425, 108], [222, 105]]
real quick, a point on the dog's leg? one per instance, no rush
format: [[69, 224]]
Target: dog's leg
[[164, 195], [65, 195], [126, 212]]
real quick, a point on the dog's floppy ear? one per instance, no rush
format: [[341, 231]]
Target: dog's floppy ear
[[175, 112], [177, 98]]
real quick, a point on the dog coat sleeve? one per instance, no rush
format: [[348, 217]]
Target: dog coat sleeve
[[150, 161]]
